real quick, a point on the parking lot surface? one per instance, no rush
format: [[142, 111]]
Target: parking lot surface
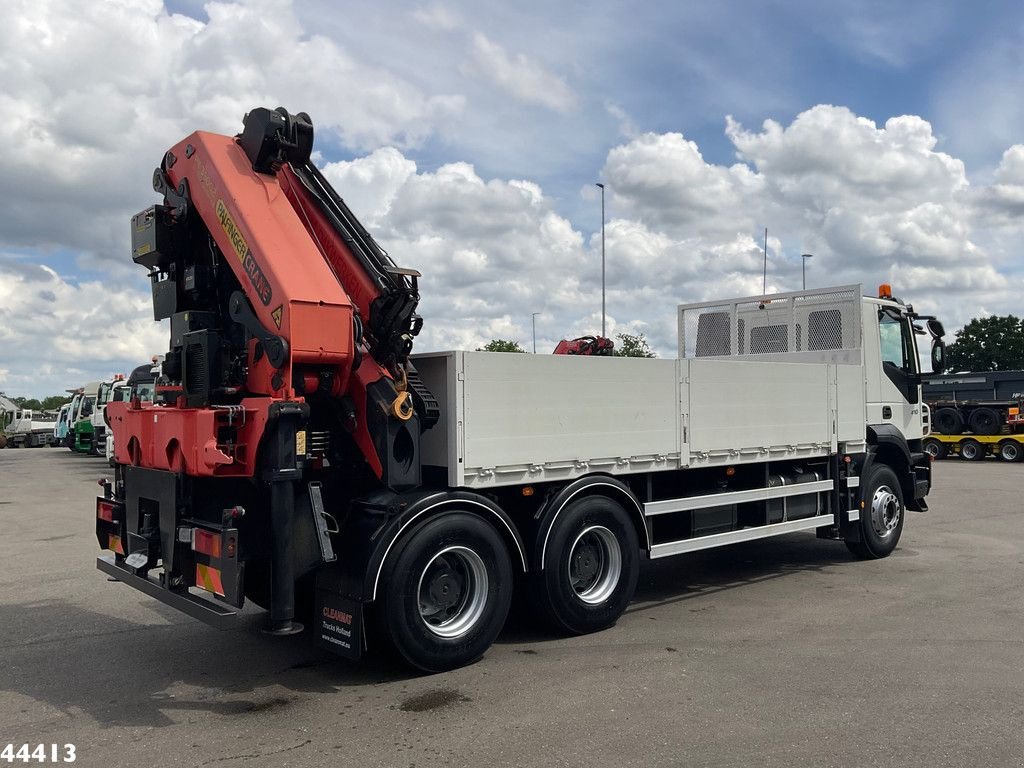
[[783, 652]]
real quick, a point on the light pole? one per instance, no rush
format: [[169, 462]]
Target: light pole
[[533, 319], [803, 264], [602, 260]]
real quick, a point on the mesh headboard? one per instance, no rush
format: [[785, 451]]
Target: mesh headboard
[[823, 320]]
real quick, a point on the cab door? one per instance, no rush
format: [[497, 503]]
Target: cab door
[[896, 397]]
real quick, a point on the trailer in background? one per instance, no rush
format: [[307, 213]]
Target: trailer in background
[[985, 403], [1007, 447]]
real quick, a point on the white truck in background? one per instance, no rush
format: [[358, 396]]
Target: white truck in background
[[109, 391], [139, 386], [30, 429]]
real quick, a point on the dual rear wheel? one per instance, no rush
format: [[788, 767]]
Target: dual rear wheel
[[446, 588]]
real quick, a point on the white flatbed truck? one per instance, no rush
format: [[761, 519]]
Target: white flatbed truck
[[786, 413], [768, 423]]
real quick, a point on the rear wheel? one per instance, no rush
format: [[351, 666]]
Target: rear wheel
[[948, 421], [985, 421], [446, 594], [935, 448], [971, 450], [881, 517], [591, 566], [1011, 450]]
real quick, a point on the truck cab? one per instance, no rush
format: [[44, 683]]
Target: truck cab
[[137, 387], [109, 391], [81, 420], [60, 429]]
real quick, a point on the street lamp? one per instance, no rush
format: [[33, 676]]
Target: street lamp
[[602, 260], [533, 319], [803, 264]]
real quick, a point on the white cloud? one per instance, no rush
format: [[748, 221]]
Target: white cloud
[[369, 183], [520, 76], [438, 17], [56, 334], [873, 202], [94, 94]]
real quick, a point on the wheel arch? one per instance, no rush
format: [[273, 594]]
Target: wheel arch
[[887, 445], [419, 509], [591, 485]]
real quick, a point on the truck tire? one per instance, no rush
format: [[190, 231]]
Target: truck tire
[[935, 448], [947, 421], [591, 567], [446, 594], [971, 450], [881, 518], [3, 441], [1011, 450], [985, 421]]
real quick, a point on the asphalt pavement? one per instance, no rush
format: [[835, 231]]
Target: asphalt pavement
[[784, 652]]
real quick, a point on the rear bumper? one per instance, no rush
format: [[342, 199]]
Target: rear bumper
[[206, 611]]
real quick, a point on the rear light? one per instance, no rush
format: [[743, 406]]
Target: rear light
[[206, 543], [105, 510]]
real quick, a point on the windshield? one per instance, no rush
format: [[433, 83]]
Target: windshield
[[104, 393], [143, 390]]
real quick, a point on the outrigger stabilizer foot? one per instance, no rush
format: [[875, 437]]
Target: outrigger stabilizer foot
[[283, 628]]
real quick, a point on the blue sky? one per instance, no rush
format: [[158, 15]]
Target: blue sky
[[469, 137]]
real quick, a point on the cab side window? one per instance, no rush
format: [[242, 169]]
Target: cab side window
[[896, 341]]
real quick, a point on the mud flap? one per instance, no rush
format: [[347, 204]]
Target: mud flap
[[339, 624]]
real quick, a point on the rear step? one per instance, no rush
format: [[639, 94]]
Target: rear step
[[215, 615]]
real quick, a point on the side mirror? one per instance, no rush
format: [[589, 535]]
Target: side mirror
[[938, 355], [936, 329]]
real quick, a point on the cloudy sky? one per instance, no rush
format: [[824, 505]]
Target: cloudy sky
[[469, 136]]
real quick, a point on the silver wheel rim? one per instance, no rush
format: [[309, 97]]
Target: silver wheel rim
[[886, 511], [968, 451], [1010, 452], [595, 564], [931, 449], [452, 592]]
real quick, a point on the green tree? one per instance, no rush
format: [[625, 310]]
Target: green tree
[[988, 344], [633, 345], [51, 403], [500, 345]]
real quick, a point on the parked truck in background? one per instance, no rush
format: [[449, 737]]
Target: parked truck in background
[[139, 386], [60, 428], [80, 432], [109, 391], [65, 428], [29, 428], [299, 457], [7, 410], [975, 415]]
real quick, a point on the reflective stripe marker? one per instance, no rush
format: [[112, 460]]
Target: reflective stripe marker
[[209, 579]]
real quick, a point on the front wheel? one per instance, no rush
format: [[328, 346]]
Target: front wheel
[[881, 516], [591, 566], [447, 588]]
